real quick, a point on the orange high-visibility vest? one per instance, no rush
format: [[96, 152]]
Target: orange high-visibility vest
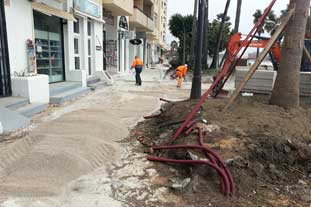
[[137, 62], [181, 70]]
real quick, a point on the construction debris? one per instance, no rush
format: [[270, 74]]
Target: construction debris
[[266, 147]]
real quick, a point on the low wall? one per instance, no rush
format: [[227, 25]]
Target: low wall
[[261, 82], [35, 88], [305, 83]]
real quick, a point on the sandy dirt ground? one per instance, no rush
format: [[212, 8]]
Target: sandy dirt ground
[[72, 155], [266, 148]]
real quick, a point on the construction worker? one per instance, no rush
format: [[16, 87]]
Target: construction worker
[[138, 65], [181, 72]]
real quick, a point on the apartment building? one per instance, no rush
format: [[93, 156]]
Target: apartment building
[[158, 37], [142, 23], [126, 20], [116, 15]]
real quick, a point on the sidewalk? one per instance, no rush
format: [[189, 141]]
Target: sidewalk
[[72, 155]]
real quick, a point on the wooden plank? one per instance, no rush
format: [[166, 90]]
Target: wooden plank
[[261, 57], [307, 54]]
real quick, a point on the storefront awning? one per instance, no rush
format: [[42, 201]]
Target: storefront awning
[[52, 11]]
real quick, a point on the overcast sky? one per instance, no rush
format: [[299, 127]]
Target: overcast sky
[[217, 6]]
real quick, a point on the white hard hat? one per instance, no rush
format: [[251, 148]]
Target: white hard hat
[[186, 65]]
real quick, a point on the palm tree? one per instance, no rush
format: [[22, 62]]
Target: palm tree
[[270, 23], [286, 90], [257, 16]]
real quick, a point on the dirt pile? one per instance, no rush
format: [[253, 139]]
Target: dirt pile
[[266, 147]]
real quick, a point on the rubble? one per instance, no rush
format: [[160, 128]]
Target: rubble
[[264, 149]]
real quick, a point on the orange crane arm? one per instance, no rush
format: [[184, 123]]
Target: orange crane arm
[[275, 50]]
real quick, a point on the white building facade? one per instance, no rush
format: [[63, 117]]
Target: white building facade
[[73, 40], [60, 39]]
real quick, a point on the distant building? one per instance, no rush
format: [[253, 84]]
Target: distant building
[[157, 38]]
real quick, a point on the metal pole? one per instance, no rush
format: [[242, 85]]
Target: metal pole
[[220, 34], [197, 73], [184, 44], [238, 16], [194, 28], [205, 43]]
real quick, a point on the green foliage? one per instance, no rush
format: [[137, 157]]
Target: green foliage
[[179, 24], [176, 26], [257, 16], [269, 24], [214, 27]]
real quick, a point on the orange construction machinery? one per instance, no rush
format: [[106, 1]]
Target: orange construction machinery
[[235, 43]]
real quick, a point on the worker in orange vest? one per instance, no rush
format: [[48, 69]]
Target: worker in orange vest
[[138, 65], [181, 72]]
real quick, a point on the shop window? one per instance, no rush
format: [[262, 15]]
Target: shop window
[[77, 43], [77, 63], [89, 46], [89, 50], [49, 46], [76, 46], [90, 64], [89, 28], [76, 26]]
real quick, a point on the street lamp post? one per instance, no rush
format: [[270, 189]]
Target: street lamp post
[[197, 73], [184, 42]]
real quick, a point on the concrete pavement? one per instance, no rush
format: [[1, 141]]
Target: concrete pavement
[[72, 156]]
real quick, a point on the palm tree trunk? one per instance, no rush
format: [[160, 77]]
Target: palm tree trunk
[[237, 16], [286, 89], [220, 34], [194, 30]]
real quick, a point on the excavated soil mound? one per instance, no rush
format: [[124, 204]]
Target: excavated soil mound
[[267, 148]]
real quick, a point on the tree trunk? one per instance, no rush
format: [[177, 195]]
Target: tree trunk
[[237, 16], [286, 90], [194, 30], [216, 53], [205, 43]]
